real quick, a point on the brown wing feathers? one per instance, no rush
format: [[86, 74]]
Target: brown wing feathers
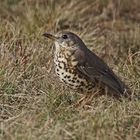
[[96, 69]]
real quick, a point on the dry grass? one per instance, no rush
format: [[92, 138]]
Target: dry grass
[[32, 103]]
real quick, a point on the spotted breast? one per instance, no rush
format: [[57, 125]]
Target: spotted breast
[[65, 68]]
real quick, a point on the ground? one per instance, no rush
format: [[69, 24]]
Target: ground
[[34, 104]]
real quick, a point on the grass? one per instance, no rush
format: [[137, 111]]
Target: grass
[[33, 103]]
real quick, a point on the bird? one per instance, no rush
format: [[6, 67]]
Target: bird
[[81, 69]]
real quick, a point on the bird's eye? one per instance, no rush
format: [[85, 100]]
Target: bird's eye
[[64, 36]]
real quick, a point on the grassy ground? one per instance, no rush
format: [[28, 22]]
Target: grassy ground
[[33, 104]]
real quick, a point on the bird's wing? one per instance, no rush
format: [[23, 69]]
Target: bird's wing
[[95, 69]]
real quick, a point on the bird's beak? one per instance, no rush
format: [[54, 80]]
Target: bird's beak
[[50, 36]]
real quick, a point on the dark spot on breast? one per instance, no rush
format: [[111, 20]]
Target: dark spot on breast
[[70, 71], [73, 81], [68, 76], [74, 73], [90, 88], [77, 81], [57, 69], [59, 66], [64, 80], [77, 86], [74, 78], [65, 76], [62, 73], [71, 85], [82, 83]]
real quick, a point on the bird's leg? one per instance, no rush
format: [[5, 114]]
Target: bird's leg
[[87, 98], [84, 100], [78, 103]]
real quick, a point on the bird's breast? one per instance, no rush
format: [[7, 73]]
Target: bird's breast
[[65, 68]]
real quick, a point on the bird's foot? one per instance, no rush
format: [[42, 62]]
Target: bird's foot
[[85, 100]]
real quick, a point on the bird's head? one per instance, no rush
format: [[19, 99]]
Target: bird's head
[[65, 40]]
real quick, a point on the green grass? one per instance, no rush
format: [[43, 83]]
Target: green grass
[[33, 103]]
